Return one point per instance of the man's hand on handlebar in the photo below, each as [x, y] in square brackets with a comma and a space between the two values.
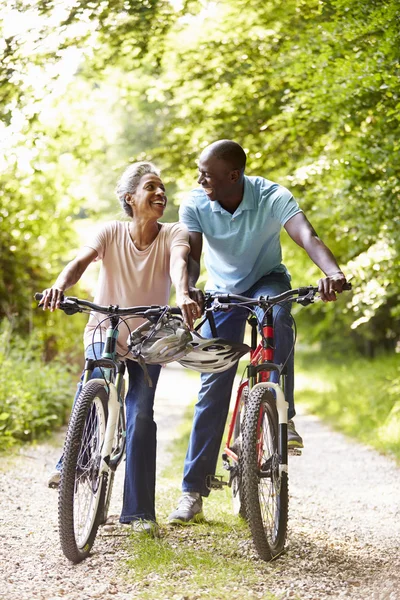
[330, 285]
[51, 298]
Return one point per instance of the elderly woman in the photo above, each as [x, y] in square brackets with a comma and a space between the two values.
[139, 258]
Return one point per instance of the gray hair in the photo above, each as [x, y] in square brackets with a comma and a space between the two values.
[129, 181]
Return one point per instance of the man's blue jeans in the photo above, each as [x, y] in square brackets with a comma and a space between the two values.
[212, 408]
[141, 439]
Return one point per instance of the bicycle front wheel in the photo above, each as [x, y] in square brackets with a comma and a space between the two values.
[82, 488]
[264, 484]
[237, 494]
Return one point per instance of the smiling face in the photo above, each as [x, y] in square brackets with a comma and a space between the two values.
[216, 177]
[149, 198]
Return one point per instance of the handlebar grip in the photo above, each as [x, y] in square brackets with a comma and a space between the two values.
[38, 296]
[347, 287]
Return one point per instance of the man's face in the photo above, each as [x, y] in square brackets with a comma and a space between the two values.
[215, 177]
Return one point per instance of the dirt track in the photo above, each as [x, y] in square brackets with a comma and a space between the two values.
[344, 521]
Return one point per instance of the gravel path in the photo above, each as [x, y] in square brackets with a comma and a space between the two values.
[344, 520]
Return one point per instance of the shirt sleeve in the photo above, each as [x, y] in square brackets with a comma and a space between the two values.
[179, 236]
[188, 216]
[101, 239]
[284, 206]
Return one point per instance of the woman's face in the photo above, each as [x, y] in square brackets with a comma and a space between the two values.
[149, 199]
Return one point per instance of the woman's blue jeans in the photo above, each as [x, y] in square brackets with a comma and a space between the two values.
[141, 439]
[212, 408]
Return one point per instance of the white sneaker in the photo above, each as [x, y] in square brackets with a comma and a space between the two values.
[54, 479]
[189, 510]
[151, 528]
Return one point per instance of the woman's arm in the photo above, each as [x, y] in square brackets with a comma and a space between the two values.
[179, 276]
[70, 275]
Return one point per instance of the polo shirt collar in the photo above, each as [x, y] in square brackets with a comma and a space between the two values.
[248, 201]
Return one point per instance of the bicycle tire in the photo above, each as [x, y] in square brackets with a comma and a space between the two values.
[82, 490]
[236, 486]
[265, 486]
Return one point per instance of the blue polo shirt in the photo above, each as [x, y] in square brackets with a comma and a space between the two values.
[241, 248]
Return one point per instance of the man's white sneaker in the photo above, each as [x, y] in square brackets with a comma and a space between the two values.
[189, 510]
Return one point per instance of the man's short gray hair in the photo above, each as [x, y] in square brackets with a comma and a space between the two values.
[129, 181]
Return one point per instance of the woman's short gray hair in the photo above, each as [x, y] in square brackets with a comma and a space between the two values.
[129, 181]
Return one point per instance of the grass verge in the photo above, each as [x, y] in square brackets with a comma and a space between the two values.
[358, 396]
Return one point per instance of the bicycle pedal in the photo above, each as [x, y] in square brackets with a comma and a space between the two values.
[215, 482]
[294, 452]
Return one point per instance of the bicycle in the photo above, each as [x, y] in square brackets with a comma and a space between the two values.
[256, 451]
[95, 440]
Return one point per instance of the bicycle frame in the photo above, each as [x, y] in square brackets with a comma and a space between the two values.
[258, 370]
[110, 365]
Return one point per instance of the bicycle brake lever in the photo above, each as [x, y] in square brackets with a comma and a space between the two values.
[70, 307]
[218, 306]
[307, 299]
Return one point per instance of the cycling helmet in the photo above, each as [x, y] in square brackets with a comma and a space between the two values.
[212, 355]
[160, 343]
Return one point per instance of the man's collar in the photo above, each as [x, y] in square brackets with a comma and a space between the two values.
[248, 201]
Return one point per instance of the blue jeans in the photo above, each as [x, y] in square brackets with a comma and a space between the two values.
[212, 408]
[141, 441]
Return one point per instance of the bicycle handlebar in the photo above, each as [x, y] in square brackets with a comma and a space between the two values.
[71, 305]
[302, 295]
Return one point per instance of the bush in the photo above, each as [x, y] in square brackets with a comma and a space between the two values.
[35, 397]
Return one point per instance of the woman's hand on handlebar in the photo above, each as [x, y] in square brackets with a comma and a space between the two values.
[198, 296]
[330, 285]
[51, 298]
[190, 309]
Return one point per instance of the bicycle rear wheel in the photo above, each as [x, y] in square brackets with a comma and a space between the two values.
[264, 484]
[237, 494]
[82, 488]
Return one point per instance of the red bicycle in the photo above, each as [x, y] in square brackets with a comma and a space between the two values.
[256, 450]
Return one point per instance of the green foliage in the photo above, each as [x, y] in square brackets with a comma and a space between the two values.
[310, 88]
[360, 397]
[34, 397]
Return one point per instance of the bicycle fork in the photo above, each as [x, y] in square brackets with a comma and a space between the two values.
[112, 422]
[282, 408]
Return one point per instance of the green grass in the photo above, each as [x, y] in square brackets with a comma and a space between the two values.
[212, 560]
[358, 396]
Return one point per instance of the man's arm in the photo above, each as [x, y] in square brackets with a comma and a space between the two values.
[179, 275]
[70, 275]
[196, 246]
[302, 232]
